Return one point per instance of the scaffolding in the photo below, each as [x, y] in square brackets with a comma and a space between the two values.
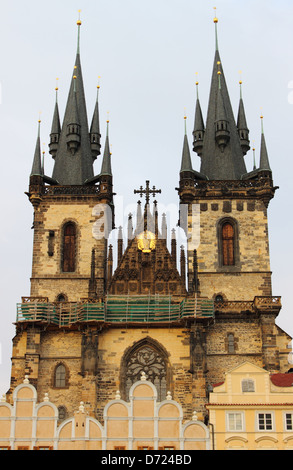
[115, 309]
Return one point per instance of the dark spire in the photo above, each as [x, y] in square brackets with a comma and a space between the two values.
[198, 131]
[106, 163]
[73, 124]
[221, 160]
[222, 131]
[37, 162]
[73, 161]
[264, 159]
[186, 164]
[243, 130]
[95, 135]
[55, 129]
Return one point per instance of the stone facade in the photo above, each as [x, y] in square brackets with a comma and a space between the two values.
[85, 332]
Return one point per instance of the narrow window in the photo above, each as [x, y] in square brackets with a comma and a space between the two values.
[231, 343]
[289, 421]
[228, 241]
[60, 376]
[69, 248]
[61, 413]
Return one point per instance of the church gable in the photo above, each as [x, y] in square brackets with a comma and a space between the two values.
[143, 271]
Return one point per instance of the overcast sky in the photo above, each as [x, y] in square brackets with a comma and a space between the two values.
[147, 55]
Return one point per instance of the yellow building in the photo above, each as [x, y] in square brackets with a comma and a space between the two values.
[252, 410]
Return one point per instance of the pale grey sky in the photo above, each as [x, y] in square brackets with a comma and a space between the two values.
[147, 55]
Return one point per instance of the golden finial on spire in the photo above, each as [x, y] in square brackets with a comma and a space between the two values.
[196, 83]
[215, 18]
[56, 88]
[240, 77]
[78, 21]
[185, 118]
[240, 83]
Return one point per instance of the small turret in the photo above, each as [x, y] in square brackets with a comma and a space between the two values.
[222, 127]
[264, 164]
[199, 128]
[243, 130]
[37, 162]
[55, 129]
[95, 135]
[73, 125]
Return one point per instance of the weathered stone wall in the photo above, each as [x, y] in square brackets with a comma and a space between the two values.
[251, 274]
[48, 280]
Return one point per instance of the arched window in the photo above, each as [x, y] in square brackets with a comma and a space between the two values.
[228, 241]
[60, 376]
[148, 358]
[228, 244]
[69, 248]
[61, 298]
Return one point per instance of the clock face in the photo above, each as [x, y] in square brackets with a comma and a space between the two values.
[146, 241]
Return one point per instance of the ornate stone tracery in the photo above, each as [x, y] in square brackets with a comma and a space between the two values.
[146, 358]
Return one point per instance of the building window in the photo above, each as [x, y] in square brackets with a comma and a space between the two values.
[248, 385]
[234, 421]
[69, 248]
[265, 421]
[148, 357]
[60, 376]
[61, 298]
[289, 421]
[228, 242]
[43, 448]
[62, 413]
[231, 343]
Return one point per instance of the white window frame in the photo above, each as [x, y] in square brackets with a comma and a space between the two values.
[265, 412]
[228, 428]
[285, 421]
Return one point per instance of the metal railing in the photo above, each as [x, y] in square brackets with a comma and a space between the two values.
[115, 309]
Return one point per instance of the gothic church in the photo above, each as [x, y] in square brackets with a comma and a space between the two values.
[86, 331]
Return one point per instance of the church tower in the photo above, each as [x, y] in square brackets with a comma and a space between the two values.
[73, 213]
[182, 318]
[232, 250]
